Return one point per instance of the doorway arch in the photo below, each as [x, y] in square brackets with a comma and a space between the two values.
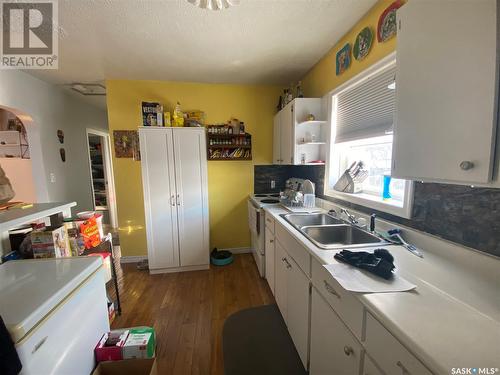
[38, 179]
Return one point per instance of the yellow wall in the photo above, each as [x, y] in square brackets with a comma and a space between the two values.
[321, 78]
[229, 182]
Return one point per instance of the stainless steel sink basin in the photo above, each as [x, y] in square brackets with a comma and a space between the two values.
[302, 220]
[340, 236]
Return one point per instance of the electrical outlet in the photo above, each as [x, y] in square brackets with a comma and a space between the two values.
[52, 177]
[273, 184]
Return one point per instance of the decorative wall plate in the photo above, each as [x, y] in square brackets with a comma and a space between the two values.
[387, 22]
[343, 59]
[363, 44]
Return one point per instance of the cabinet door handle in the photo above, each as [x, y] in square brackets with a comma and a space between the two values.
[268, 220]
[288, 265]
[466, 165]
[172, 200]
[271, 241]
[330, 289]
[39, 344]
[178, 200]
[402, 367]
[348, 350]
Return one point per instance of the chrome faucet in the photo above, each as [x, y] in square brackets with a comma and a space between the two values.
[350, 217]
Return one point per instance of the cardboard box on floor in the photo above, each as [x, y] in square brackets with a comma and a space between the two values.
[145, 366]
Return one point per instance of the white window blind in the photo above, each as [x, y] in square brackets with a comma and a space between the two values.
[366, 110]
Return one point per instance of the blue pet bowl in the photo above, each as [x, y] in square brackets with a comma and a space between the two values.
[221, 258]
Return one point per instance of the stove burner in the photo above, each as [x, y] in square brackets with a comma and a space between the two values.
[274, 195]
[260, 195]
[269, 201]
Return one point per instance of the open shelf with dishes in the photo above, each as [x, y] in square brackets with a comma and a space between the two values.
[223, 144]
[310, 143]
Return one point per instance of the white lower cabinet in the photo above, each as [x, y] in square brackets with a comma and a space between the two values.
[292, 296]
[297, 289]
[392, 357]
[334, 350]
[327, 323]
[270, 257]
[369, 368]
[280, 279]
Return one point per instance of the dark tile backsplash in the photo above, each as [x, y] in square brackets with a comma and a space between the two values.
[465, 215]
[461, 214]
[264, 174]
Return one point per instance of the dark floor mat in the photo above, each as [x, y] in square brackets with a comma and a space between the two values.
[256, 342]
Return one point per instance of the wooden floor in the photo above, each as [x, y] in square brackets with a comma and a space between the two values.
[188, 310]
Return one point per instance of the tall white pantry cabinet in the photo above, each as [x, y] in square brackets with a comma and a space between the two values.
[174, 180]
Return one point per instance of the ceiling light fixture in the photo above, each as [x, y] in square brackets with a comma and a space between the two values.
[214, 4]
[89, 89]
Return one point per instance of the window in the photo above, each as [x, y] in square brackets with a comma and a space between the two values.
[361, 130]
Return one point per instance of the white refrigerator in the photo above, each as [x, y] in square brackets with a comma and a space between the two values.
[55, 311]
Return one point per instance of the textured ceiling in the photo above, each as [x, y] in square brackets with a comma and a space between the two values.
[258, 41]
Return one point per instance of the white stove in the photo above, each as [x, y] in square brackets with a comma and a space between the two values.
[261, 200]
[257, 225]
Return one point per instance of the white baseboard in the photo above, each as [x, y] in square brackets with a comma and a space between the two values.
[238, 250]
[133, 259]
[138, 258]
[179, 269]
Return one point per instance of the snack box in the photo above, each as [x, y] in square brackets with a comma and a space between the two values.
[110, 346]
[140, 343]
[127, 367]
[50, 242]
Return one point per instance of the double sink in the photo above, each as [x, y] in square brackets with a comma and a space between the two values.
[329, 233]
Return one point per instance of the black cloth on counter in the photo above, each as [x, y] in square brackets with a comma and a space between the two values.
[9, 360]
[380, 263]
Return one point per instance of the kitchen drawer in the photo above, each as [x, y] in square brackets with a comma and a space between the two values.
[269, 222]
[392, 357]
[343, 302]
[296, 250]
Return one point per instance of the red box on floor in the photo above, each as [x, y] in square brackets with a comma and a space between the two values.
[110, 346]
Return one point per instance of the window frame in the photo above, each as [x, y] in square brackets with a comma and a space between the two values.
[364, 200]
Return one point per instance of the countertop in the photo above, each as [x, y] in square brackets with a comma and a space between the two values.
[438, 328]
[15, 217]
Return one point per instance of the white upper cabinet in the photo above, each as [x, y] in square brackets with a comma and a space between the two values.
[446, 81]
[286, 131]
[276, 140]
[295, 138]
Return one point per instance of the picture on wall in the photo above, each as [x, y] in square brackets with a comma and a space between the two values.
[387, 27]
[62, 152]
[60, 136]
[363, 44]
[125, 142]
[343, 59]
